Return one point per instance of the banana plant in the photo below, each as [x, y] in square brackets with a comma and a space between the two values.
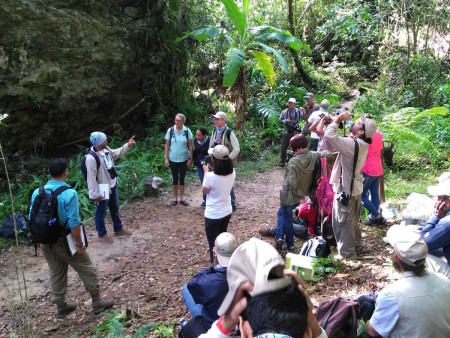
[247, 43]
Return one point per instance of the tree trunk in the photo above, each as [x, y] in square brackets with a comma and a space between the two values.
[298, 63]
[240, 100]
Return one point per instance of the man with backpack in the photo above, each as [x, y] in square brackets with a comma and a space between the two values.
[290, 117]
[416, 305]
[224, 135]
[100, 170]
[63, 217]
[347, 180]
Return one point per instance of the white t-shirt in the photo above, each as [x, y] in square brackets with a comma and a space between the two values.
[218, 200]
[313, 118]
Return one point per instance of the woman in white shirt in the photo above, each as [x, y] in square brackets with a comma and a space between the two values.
[217, 185]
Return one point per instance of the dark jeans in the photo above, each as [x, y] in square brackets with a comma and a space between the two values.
[100, 213]
[313, 143]
[367, 305]
[178, 170]
[285, 138]
[372, 186]
[213, 228]
[285, 225]
[201, 174]
[233, 199]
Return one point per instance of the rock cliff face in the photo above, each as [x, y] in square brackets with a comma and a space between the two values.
[73, 66]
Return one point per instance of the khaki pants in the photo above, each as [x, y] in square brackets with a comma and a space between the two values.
[58, 261]
[345, 221]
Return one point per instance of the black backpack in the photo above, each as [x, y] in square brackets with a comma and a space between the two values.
[83, 161]
[44, 222]
[172, 131]
[316, 247]
[7, 226]
[339, 317]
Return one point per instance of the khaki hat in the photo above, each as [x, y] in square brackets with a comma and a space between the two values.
[225, 245]
[443, 187]
[219, 151]
[309, 95]
[408, 245]
[370, 127]
[259, 263]
[292, 99]
[221, 115]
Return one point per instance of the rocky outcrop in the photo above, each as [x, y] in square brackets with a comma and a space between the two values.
[70, 67]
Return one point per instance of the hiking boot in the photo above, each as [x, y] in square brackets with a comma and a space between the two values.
[106, 239]
[124, 232]
[266, 231]
[291, 249]
[279, 243]
[101, 305]
[374, 221]
[184, 202]
[65, 309]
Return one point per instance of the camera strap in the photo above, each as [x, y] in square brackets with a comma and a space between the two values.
[355, 159]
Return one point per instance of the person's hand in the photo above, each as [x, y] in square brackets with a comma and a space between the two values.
[206, 168]
[302, 109]
[345, 116]
[288, 121]
[131, 142]
[81, 250]
[441, 207]
[166, 162]
[189, 162]
[99, 198]
[239, 304]
[311, 320]
[326, 118]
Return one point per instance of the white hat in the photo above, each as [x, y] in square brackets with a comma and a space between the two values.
[219, 151]
[370, 127]
[443, 187]
[225, 245]
[259, 263]
[292, 99]
[221, 115]
[408, 245]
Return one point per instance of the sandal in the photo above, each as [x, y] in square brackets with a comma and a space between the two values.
[184, 202]
[173, 203]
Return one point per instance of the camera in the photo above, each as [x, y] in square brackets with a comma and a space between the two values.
[321, 115]
[207, 160]
[112, 172]
[344, 198]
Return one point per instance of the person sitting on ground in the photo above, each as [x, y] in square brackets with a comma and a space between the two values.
[206, 290]
[372, 171]
[201, 146]
[217, 185]
[317, 115]
[436, 232]
[416, 305]
[263, 298]
[56, 255]
[296, 183]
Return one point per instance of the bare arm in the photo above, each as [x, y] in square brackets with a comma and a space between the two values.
[205, 190]
[370, 330]
[191, 154]
[166, 153]
[76, 233]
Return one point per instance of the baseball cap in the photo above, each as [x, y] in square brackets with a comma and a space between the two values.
[370, 127]
[221, 115]
[309, 95]
[225, 245]
[408, 245]
[292, 99]
[97, 138]
[219, 151]
[443, 187]
[259, 263]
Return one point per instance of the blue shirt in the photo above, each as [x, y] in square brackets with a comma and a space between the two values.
[68, 210]
[179, 147]
[385, 315]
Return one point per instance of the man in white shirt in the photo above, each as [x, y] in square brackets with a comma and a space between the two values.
[315, 116]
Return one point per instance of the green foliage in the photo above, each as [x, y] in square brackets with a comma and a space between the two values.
[324, 266]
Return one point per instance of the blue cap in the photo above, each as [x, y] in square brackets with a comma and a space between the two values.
[97, 138]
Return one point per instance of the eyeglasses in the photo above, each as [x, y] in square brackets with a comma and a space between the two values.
[178, 120]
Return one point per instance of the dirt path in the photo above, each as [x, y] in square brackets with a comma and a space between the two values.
[145, 272]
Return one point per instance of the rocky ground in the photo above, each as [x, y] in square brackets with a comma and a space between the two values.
[145, 272]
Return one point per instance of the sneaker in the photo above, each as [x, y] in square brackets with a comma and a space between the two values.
[173, 203]
[65, 309]
[291, 249]
[233, 208]
[184, 202]
[203, 205]
[124, 232]
[106, 239]
[279, 243]
[183, 322]
[102, 305]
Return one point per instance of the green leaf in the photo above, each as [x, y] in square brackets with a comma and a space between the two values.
[264, 63]
[235, 59]
[202, 34]
[236, 16]
[246, 7]
[275, 52]
[284, 37]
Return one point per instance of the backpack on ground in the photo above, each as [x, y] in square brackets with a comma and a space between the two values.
[88, 151]
[44, 222]
[316, 247]
[7, 226]
[327, 231]
[339, 317]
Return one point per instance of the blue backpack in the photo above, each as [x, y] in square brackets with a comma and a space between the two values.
[83, 168]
